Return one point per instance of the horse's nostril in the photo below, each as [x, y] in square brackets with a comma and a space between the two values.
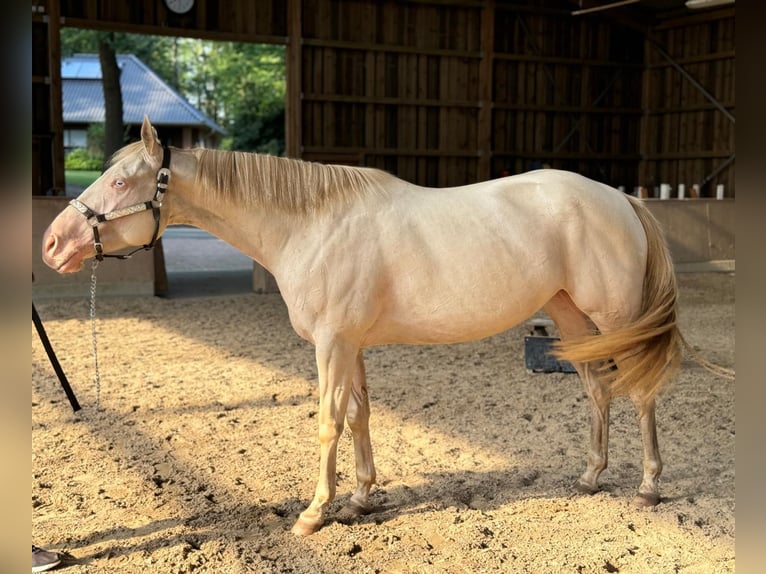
[50, 244]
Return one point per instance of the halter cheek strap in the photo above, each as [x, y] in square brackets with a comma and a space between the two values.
[163, 178]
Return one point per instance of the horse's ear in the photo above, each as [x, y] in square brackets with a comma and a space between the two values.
[150, 140]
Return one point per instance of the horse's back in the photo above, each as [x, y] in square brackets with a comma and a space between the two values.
[467, 262]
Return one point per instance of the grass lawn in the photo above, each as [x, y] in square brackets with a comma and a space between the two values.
[81, 177]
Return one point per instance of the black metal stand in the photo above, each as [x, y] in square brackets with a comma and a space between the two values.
[54, 360]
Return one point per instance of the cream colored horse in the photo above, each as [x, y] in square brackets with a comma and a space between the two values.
[363, 258]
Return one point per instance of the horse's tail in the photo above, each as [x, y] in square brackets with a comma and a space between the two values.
[646, 354]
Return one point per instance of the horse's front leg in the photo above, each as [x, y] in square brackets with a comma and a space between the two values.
[358, 417]
[335, 365]
[649, 491]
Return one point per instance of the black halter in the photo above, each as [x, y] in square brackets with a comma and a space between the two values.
[163, 177]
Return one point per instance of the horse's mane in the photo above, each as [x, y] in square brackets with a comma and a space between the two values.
[288, 185]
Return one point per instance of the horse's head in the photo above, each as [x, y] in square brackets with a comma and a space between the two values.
[120, 209]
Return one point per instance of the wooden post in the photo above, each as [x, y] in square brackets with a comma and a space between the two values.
[646, 118]
[484, 129]
[56, 106]
[293, 115]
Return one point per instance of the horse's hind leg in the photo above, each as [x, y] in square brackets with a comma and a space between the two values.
[648, 492]
[358, 418]
[573, 323]
[598, 451]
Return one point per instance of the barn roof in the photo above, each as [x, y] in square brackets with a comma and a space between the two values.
[143, 93]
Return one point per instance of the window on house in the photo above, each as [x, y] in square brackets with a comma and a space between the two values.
[75, 139]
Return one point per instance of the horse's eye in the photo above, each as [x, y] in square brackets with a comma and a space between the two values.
[119, 183]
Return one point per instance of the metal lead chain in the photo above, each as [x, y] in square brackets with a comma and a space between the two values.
[97, 376]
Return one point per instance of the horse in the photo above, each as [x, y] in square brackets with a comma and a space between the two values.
[363, 258]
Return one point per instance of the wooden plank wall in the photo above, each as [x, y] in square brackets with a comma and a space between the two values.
[47, 142]
[687, 138]
[393, 85]
[567, 94]
[415, 88]
[447, 92]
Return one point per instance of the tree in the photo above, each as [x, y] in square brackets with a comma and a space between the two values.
[110, 79]
[242, 87]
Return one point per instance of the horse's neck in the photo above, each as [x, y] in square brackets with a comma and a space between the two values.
[255, 233]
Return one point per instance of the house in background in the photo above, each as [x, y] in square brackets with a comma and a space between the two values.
[143, 93]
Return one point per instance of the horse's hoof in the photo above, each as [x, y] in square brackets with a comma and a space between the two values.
[646, 500]
[583, 488]
[354, 508]
[352, 511]
[304, 527]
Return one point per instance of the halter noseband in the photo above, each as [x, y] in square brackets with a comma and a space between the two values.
[163, 177]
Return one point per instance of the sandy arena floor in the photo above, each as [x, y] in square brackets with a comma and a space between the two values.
[205, 450]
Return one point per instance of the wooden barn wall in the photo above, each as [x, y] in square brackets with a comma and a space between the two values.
[234, 20]
[445, 92]
[47, 138]
[688, 133]
[567, 93]
[451, 93]
[394, 86]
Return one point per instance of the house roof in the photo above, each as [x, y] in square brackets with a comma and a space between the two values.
[143, 93]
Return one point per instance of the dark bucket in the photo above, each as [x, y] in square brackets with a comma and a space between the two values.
[538, 357]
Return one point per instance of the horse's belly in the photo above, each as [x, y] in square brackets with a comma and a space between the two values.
[430, 331]
[451, 317]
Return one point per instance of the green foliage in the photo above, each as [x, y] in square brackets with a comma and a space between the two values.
[81, 159]
[260, 133]
[240, 86]
[81, 178]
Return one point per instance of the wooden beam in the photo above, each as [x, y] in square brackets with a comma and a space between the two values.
[603, 7]
[56, 106]
[538, 58]
[699, 59]
[567, 155]
[294, 103]
[390, 101]
[644, 143]
[171, 31]
[563, 109]
[486, 65]
[687, 155]
[393, 152]
[698, 18]
[690, 108]
[391, 48]
[681, 70]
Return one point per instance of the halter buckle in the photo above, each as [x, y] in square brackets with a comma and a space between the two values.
[99, 250]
